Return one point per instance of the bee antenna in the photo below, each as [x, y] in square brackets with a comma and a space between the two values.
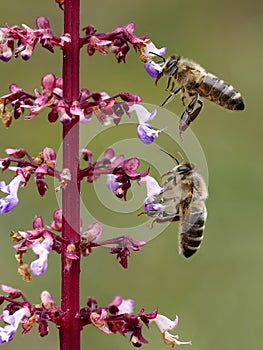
[156, 54]
[169, 154]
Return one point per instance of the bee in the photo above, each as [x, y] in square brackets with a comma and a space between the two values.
[193, 81]
[183, 200]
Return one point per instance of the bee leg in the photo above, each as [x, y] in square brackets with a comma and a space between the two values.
[158, 78]
[170, 181]
[171, 96]
[183, 99]
[195, 113]
[176, 218]
[169, 83]
[170, 172]
[142, 213]
[190, 113]
[166, 217]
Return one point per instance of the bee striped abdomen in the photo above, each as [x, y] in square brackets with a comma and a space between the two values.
[220, 92]
[191, 229]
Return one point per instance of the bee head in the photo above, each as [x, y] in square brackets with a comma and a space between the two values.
[185, 168]
[170, 66]
[181, 168]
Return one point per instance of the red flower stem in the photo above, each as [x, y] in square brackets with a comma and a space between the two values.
[70, 328]
[14, 302]
[90, 172]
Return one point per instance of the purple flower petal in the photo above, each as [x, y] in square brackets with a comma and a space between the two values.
[39, 266]
[13, 186]
[7, 333]
[8, 203]
[6, 53]
[146, 134]
[111, 183]
[65, 118]
[152, 207]
[152, 68]
[27, 53]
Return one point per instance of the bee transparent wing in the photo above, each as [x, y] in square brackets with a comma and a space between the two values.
[199, 187]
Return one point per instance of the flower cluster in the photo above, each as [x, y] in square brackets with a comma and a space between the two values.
[104, 107]
[120, 171]
[42, 241]
[15, 41]
[99, 104]
[117, 41]
[117, 317]
[123, 245]
[24, 313]
[26, 166]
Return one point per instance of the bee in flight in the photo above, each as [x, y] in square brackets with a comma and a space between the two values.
[183, 200]
[193, 81]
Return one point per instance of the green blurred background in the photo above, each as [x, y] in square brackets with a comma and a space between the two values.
[218, 293]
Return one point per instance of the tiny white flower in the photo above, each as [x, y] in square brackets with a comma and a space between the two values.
[7, 333]
[151, 50]
[126, 307]
[142, 113]
[152, 186]
[165, 325]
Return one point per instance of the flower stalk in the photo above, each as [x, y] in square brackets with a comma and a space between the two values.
[70, 328]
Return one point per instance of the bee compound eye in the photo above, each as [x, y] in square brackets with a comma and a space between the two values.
[184, 169]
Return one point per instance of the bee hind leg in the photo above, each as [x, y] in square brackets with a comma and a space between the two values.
[190, 113]
[195, 113]
[183, 99]
[169, 83]
[166, 217]
[171, 96]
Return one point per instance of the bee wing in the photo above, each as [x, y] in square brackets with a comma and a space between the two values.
[199, 187]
